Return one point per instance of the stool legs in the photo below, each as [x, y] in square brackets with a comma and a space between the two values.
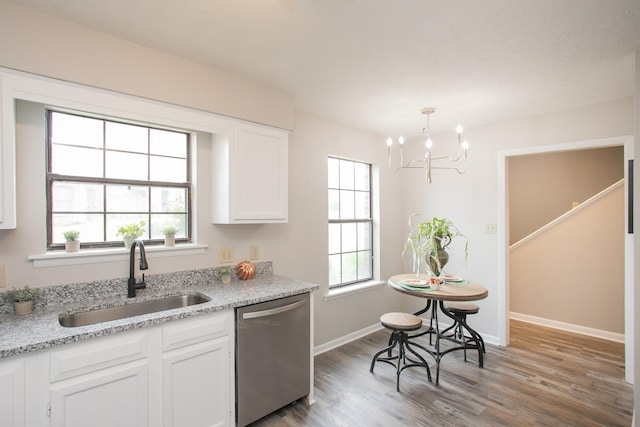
[401, 340]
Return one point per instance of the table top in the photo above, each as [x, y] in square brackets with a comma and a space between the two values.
[470, 291]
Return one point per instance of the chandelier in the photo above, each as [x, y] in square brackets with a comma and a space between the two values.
[457, 163]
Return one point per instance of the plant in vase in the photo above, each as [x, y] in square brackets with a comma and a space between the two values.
[225, 274]
[170, 232]
[22, 299]
[130, 232]
[428, 240]
[72, 244]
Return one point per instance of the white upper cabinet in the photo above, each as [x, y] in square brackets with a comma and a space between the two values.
[250, 175]
[7, 158]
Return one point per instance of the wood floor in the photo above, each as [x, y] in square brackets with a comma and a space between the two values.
[544, 378]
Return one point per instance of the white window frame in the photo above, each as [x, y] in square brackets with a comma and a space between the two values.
[50, 92]
[369, 220]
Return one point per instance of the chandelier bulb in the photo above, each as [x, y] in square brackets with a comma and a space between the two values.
[429, 143]
[465, 145]
[459, 129]
[389, 142]
[401, 140]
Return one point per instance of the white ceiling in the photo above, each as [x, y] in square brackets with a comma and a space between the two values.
[374, 64]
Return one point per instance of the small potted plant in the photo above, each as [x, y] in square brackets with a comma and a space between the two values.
[72, 244]
[170, 232]
[22, 299]
[130, 232]
[428, 241]
[225, 274]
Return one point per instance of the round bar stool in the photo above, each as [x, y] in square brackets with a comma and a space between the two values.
[400, 324]
[461, 309]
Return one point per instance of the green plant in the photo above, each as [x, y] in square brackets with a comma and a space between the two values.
[427, 239]
[224, 270]
[71, 235]
[132, 231]
[170, 230]
[22, 294]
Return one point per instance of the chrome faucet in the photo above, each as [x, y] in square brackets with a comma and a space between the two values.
[133, 285]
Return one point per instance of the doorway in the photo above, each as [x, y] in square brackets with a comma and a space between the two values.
[503, 237]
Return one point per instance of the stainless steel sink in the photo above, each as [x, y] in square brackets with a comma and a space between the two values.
[92, 317]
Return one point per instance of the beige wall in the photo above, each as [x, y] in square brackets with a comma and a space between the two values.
[573, 272]
[543, 186]
[42, 44]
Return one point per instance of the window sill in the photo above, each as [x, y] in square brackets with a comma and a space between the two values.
[344, 291]
[93, 256]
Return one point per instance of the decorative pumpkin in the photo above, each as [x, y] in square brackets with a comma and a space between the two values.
[246, 270]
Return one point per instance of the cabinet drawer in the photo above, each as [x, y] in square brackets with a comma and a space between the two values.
[192, 331]
[97, 354]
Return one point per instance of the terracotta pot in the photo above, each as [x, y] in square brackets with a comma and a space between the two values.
[169, 240]
[72, 246]
[226, 279]
[23, 308]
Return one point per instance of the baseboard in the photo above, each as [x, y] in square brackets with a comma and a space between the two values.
[569, 327]
[330, 345]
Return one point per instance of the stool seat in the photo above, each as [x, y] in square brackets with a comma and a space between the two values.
[400, 347]
[401, 321]
[462, 307]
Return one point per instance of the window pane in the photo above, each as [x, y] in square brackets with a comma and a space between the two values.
[362, 176]
[349, 267]
[127, 198]
[126, 166]
[167, 199]
[76, 161]
[75, 130]
[115, 221]
[362, 208]
[346, 175]
[364, 236]
[335, 276]
[168, 169]
[90, 226]
[334, 173]
[334, 238]
[347, 205]
[334, 204]
[124, 137]
[364, 265]
[348, 237]
[159, 221]
[77, 197]
[168, 143]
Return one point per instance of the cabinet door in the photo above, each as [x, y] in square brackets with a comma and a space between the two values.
[260, 174]
[196, 389]
[116, 396]
[7, 157]
[12, 393]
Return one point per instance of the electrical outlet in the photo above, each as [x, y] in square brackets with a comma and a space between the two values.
[254, 253]
[225, 255]
[3, 276]
[490, 228]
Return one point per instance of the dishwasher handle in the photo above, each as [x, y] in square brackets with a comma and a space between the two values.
[272, 311]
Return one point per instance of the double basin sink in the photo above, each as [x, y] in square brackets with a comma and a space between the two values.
[92, 317]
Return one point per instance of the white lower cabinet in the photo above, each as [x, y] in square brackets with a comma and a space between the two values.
[12, 397]
[196, 388]
[111, 397]
[177, 374]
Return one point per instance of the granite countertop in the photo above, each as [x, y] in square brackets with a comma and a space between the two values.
[41, 329]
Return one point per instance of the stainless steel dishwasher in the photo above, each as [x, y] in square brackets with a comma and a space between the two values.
[272, 356]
